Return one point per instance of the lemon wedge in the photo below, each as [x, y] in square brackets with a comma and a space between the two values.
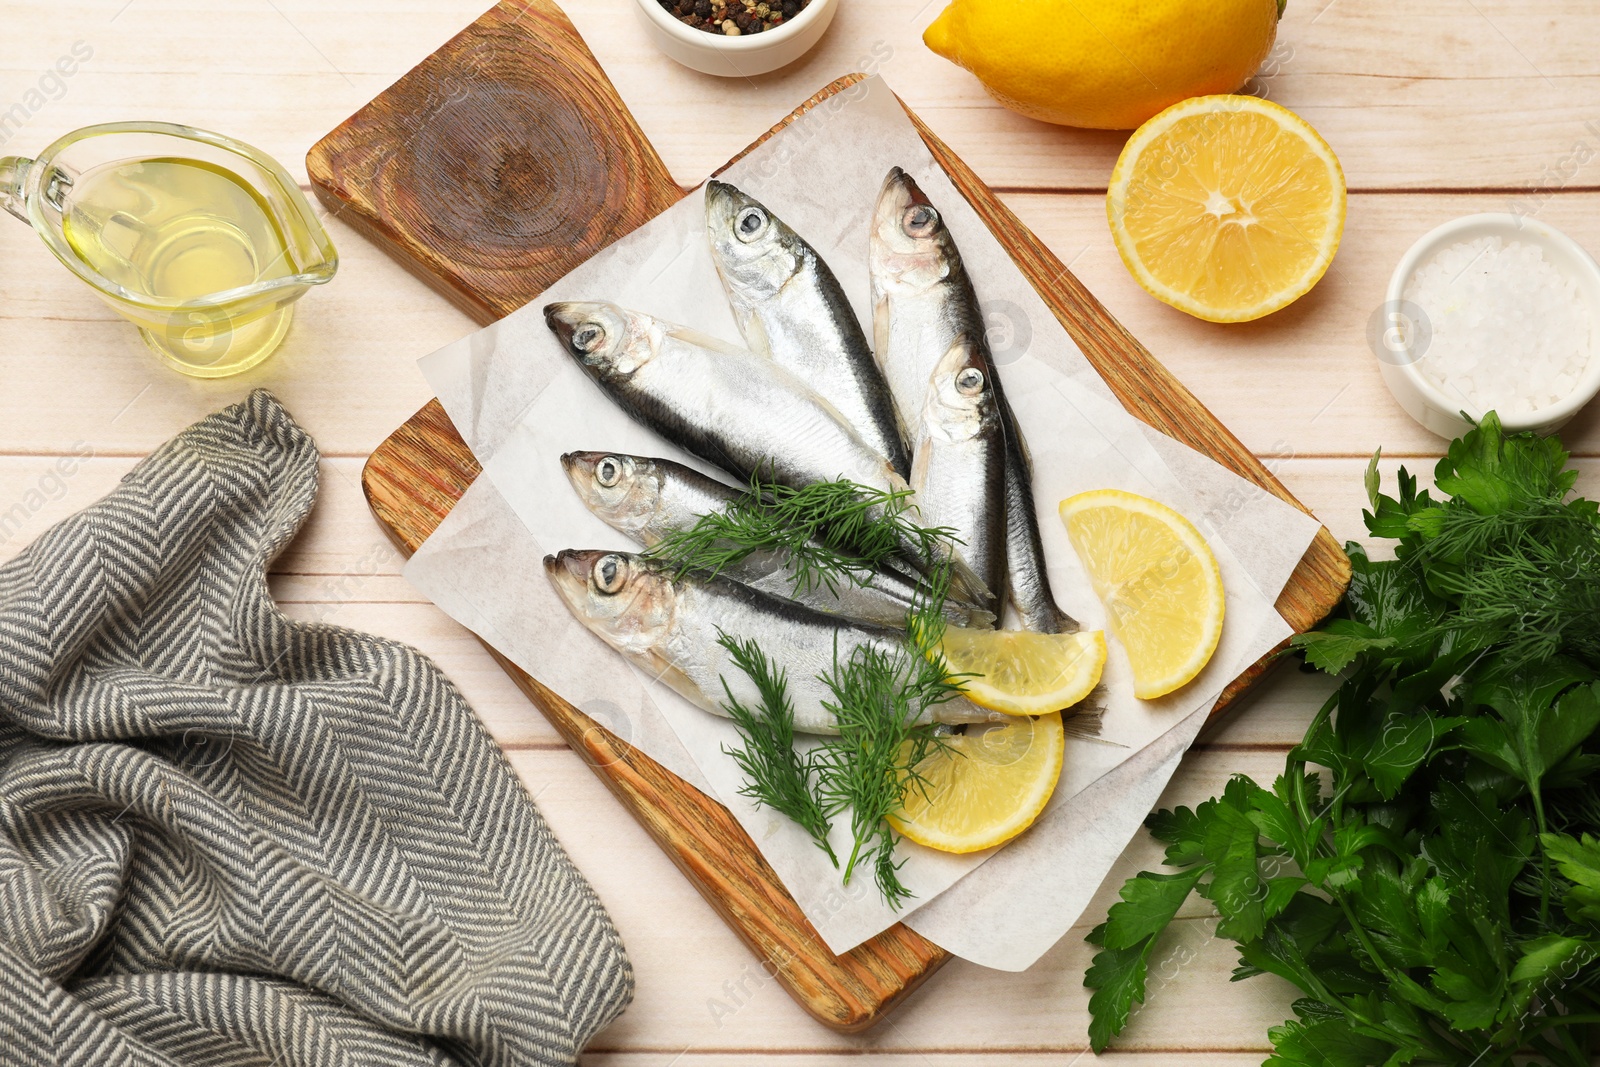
[985, 786]
[1227, 207]
[1023, 673]
[1157, 579]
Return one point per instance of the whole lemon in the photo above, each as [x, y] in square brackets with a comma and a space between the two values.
[1104, 64]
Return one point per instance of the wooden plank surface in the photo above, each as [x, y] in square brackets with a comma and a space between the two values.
[1428, 99]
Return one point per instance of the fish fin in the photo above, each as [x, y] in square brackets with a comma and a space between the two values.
[880, 330]
[972, 617]
[919, 468]
[690, 335]
[1084, 723]
[1044, 618]
[754, 331]
[965, 585]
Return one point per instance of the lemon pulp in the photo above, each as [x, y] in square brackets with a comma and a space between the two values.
[1227, 207]
[985, 786]
[1158, 580]
[1023, 673]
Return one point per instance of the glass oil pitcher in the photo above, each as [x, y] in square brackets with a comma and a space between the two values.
[200, 241]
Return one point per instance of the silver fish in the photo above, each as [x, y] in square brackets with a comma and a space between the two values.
[923, 301]
[789, 306]
[650, 499]
[670, 628]
[737, 411]
[959, 472]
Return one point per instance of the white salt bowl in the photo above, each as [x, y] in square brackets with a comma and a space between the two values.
[1423, 400]
[737, 57]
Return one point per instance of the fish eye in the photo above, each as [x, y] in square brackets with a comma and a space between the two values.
[608, 472]
[750, 223]
[969, 381]
[588, 337]
[611, 574]
[920, 220]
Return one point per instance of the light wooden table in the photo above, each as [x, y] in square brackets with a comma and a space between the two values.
[1437, 108]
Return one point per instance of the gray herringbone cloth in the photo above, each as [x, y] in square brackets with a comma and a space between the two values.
[229, 839]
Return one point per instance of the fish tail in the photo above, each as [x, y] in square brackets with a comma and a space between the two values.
[966, 586]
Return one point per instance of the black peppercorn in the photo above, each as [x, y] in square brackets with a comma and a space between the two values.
[733, 17]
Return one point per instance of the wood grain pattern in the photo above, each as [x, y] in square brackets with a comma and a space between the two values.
[413, 479]
[497, 163]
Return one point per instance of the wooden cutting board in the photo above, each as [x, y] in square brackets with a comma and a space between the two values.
[499, 164]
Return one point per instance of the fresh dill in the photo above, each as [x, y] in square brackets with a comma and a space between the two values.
[878, 706]
[776, 775]
[826, 532]
[832, 532]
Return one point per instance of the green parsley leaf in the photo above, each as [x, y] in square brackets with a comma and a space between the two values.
[1117, 977]
[1491, 473]
[1325, 1043]
[1117, 974]
[1149, 901]
[1336, 645]
[1578, 860]
[1550, 955]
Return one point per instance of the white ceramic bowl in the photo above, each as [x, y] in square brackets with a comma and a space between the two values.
[1426, 402]
[737, 57]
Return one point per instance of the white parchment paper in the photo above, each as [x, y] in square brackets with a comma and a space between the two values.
[519, 401]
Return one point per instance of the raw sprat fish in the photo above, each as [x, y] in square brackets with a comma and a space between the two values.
[740, 412]
[671, 626]
[725, 605]
[789, 306]
[959, 472]
[923, 302]
[651, 499]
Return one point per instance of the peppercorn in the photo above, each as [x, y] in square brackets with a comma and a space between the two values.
[734, 17]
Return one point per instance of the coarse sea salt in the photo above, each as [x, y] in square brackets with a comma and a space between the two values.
[1511, 332]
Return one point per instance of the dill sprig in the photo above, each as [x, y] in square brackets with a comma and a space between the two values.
[879, 701]
[826, 532]
[776, 776]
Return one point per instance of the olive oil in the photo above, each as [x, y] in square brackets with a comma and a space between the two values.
[201, 241]
[174, 229]
[180, 231]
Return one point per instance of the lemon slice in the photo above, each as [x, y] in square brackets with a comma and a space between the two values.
[1227, 207]
[1022, 673]
[1158, 580]
[985, 787]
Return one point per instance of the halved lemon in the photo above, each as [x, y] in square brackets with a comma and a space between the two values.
[985, 787]
[1023, 673]
[1158, 580]
[1227, 207]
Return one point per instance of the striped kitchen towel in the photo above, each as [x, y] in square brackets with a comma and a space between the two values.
[231, 839]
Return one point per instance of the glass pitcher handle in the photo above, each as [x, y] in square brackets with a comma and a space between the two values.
[13, 173]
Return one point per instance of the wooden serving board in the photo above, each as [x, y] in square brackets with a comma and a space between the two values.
[493, 168]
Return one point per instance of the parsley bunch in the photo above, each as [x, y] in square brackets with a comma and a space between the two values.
[1426, 871]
